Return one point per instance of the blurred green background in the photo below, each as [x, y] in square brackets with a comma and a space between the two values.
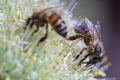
[108, 13]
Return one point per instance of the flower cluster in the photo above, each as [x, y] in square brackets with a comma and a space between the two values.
[22, 59]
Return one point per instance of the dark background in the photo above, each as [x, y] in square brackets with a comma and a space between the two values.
[108, 13]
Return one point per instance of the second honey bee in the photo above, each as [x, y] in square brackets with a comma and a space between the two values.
[92, 38]
[41, 18]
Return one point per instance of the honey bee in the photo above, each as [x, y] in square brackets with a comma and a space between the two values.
[41, 18]
[92, 38]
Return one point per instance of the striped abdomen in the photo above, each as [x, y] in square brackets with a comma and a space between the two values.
[58, 24]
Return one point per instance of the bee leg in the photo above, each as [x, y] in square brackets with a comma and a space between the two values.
[84, 59]
[27, 22]
[74, 37]
[24, 28]
[36, 30]
[79, 54]
[45, 36]
[90, 66]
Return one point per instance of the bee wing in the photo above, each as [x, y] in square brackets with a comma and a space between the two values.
[98, 30]
[89, 24]
[95, 30]
[52, 8]
[90, 27]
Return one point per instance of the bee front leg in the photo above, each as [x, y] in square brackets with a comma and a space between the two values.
[37, 28]
[79, 54]
[84, 59]
[90, 65]
[45, 36]
[27, 23]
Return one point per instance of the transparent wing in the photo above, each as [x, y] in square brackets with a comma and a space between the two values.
[97, 31]
[94, 30]
[90, 27]
[89, 24]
